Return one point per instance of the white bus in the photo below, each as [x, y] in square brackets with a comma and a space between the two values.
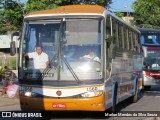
[150, 42]
[66, 34]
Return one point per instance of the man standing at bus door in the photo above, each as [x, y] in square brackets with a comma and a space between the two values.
[7, 79]
[40, 59]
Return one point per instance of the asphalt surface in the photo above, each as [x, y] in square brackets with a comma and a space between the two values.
[149, 102]
[147, 105]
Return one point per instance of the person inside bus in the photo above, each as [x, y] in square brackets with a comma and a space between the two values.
[91, 56]
[40, 59]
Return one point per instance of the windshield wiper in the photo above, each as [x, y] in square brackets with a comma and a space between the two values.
[71, 70]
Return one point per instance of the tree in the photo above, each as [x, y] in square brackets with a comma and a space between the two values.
[11, 11]
[120, 14]
[147, 13]
[1, 18]
[11, 15]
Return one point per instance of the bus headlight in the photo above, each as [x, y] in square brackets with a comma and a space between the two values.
[91, 94]
[28, 94]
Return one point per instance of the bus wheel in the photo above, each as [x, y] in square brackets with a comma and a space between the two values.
[147, 87]
[114, 96]
[135, 97]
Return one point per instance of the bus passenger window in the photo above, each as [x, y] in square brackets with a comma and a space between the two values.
[120, 35]
[125, 38]
[108, 26]
[114, 31]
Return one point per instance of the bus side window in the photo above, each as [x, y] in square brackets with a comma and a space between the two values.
[114, 31]
[122, 31]
[125, 38]
[108, 26]
[138, 43]
[120, 35]
[158, 39]
[117, 33]
[108, 42]
[131, 40]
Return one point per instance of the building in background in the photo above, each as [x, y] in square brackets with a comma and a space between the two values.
[123, 6]
[5, 58]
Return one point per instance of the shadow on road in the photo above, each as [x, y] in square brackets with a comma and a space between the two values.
[154, 91]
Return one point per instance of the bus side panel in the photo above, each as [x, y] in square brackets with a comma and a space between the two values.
[124, 72]
[108, 94]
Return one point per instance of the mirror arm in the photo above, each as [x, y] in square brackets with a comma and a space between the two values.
[14, 34]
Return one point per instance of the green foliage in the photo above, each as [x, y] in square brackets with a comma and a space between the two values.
[34, 5]
[147, 13]
[120, 14]
[11, 15]
[12, 63]
[104, 3]
[11, 11]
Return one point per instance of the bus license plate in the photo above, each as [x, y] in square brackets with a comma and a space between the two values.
[59, 105]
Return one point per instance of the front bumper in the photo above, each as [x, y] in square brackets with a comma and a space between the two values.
[83, 104]
[148, 81]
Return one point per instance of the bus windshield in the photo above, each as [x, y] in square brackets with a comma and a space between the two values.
[150, 39]
[73, 47]
[152, 59]
[153, 53]
[152, 63]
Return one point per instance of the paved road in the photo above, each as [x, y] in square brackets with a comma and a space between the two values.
[148, 101]
[7, 104]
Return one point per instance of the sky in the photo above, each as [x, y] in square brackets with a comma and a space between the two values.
[122, 5]
[23, 1]
[117, 5]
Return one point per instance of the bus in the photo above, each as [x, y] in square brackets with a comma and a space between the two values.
[150, 42]
[66, 34]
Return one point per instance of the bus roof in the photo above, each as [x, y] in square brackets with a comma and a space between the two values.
[149, 31]
[70, 9]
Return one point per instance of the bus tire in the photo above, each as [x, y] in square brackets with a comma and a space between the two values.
[114, 97]
[135, 97]
[147, 88]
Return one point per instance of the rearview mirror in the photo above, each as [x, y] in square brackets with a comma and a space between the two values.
[12, 48]
[12, 44]
[14, 34]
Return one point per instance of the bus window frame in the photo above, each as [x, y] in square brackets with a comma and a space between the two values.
[122, 28]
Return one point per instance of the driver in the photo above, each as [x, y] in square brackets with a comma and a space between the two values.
[90, 56]
[40, 59]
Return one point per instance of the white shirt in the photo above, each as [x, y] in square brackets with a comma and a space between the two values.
[39, 60]
[94, 58]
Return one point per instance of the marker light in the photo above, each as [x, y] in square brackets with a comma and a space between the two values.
[91, 94]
